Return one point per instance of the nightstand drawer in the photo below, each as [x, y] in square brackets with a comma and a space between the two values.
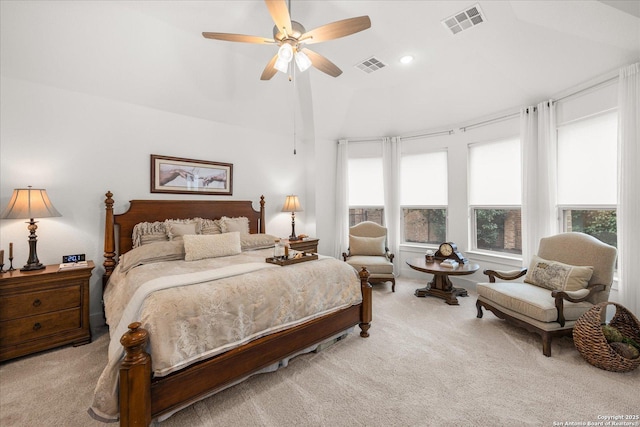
[25, 329]
[34, 303]
[310, 245]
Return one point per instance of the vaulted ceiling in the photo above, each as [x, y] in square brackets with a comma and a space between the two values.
[152, 53]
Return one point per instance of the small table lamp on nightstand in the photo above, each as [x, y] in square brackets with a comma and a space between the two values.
[30, 203]
[292, 204]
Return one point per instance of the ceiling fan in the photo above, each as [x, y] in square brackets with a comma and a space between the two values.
[291, 37]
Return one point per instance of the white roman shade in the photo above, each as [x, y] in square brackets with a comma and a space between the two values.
[495, 173]
[424, 179]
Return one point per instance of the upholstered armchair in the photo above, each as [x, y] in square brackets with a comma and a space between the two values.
[570, 274]
[368, 248]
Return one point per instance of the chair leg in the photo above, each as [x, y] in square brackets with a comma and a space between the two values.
[479, 307]
[546, 344]
[393, 285]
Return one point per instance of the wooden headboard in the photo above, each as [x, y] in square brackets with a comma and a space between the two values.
[159, 210]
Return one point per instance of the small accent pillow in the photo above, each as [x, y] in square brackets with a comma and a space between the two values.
[366, 245]
[557, 276]
[152, 253]
[240, 224]
[211, 226]
[148, 232]
[201, 246]
[250, 242]
[177, 229]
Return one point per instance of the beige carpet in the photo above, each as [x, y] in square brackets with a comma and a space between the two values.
[425, 364]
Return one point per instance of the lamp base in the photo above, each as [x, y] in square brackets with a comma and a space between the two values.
[32, 267]
[33, 263]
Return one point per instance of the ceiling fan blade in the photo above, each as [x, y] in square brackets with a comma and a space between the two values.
[269, 70]
[322, 63]
[238, 38]
[336, 30]
[280, 14]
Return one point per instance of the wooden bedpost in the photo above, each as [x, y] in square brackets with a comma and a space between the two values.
[366, 308]
[135, 378]
[262, 224]
[109, 240]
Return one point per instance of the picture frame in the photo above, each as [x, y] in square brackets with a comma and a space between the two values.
[189, 176]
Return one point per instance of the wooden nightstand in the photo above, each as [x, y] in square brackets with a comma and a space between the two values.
[43, 309]
[308, 245]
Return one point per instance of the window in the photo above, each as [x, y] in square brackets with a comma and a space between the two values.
[587, 176]
[423, 197]
[495, 195]
[366, 191]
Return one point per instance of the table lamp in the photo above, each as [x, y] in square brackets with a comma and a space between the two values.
[292, 204]
[30, 203]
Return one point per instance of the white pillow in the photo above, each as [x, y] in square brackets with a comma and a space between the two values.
[366, 245]
[228, 225]
[176, 228]
[152, 253]
[201, 246]
[257, 241]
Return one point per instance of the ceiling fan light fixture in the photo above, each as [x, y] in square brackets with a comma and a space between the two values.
[285, 52]
[302, 61]
[281, 65]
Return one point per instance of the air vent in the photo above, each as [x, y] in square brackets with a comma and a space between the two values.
[370, 65]
[465, 19]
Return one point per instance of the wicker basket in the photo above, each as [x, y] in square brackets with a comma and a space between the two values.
[591, 343]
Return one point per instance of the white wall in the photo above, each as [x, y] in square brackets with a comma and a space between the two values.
[78, 146]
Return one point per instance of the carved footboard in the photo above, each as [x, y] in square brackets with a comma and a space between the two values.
[143, 398]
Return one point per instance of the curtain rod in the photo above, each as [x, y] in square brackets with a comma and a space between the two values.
[584, 89]
[414, 136]
[486, 122]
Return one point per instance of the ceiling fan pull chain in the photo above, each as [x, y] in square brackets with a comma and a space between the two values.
[291, 78]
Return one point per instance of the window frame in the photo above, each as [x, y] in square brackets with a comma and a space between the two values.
[590, 207]
[473, 227]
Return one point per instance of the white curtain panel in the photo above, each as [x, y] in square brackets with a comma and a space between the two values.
[629, 187]
[342, 199]
[391, 157]
[539, 148]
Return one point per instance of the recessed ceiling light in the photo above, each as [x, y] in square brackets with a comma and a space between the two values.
[406, 59]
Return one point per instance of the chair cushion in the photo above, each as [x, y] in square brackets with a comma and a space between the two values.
[374, 264]
[530, 300]
[366, 245]
[556, 275]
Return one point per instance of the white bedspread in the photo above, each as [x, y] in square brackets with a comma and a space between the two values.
[195, 310]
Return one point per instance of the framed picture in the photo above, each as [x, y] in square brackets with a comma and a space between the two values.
[188, 176]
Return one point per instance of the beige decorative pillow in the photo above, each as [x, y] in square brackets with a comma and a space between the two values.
[366, 245]
[250, 242]
[201, 246]
[176, 228]
[148, 232]
[152, 253]
[240, 224]
[557, 276]
[210, 226]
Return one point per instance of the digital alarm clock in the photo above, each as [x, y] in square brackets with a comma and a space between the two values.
[73, 258]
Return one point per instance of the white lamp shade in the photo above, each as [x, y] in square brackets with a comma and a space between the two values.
[292, 204]
[281, 65]
[302, 61]
[28, 203]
